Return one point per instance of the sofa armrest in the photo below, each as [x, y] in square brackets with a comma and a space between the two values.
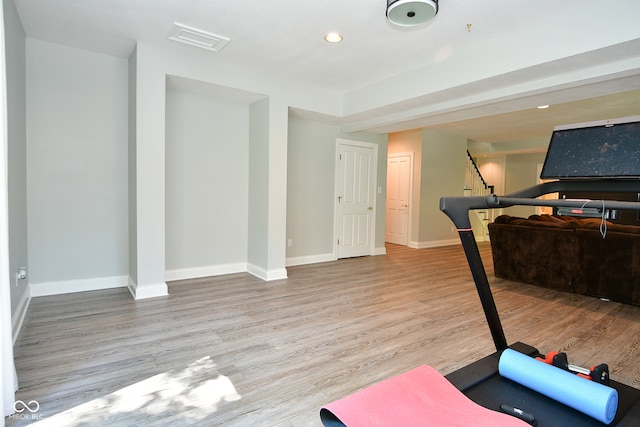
[608, 267]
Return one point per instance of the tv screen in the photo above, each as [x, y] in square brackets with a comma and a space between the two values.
[605, 149]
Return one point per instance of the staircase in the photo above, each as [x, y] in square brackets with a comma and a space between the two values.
[475, 185]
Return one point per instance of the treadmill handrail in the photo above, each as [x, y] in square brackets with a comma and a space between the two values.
[457, 208]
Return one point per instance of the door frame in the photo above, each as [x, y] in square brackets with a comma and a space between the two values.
[410, 154]
[374, 179]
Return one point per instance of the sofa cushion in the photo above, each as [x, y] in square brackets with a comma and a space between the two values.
[541, 256]
[596, 224]
[546, 221]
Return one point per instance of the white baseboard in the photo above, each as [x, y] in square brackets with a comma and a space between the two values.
[197, 272]
[310, 259]
[267, 275]
[78, 285]
[380, 251]
[314, 259]
[147, 291]
[19, 315]
[219, 270]
[437, 243]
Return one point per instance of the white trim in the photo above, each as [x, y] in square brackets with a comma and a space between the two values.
[20, 314]
[219, 270]
[77, 285]
[437, 243]
[147, 291]
[380, 251]
[310, 259]
[267, 275]
[277, 274]
[208, 271]
[131, 285]
[259, 272]
[315, 259]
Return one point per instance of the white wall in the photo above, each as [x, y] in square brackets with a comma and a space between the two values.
[439, 168]
[207, 173]
[443, 166]
[147, 177]
[258, 237]
[521, 172]
[77, 168]
[12, 186]
[131, 167]
[311, 189]
[411, 142]
[97, 169]
[17, 157]
[277, 189]
[86, 159]
[267, 147]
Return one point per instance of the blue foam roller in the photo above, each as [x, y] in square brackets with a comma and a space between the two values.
[591, 398]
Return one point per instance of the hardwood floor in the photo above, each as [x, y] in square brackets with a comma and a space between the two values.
[236, 351]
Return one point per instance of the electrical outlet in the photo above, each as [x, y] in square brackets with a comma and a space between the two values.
[290, 242]
[21, 274]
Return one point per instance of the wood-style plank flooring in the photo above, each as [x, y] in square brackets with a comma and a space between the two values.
[236, 351]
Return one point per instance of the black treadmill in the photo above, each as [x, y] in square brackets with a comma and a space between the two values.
[601, 157]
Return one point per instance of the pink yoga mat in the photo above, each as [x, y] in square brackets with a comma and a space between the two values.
[420, 397]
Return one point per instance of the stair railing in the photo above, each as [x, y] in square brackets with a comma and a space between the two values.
[475, 185]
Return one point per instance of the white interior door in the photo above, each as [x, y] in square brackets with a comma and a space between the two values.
[399, 177]
[355, 193]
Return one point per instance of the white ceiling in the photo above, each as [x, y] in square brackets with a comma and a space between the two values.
[284, 39]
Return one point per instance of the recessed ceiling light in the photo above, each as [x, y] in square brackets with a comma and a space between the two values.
[542, 107]
[333, 37]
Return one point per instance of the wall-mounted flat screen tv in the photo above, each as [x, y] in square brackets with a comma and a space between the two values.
[595, 150]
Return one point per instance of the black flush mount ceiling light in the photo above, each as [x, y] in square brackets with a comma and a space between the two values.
[408, 13]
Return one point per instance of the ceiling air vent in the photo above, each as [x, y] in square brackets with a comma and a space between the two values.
[198, 38]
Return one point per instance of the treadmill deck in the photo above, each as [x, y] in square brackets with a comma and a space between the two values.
[481, 382]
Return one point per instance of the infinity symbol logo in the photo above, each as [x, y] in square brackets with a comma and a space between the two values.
[32, 406]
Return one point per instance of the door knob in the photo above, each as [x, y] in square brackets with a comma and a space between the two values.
[370, 208]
